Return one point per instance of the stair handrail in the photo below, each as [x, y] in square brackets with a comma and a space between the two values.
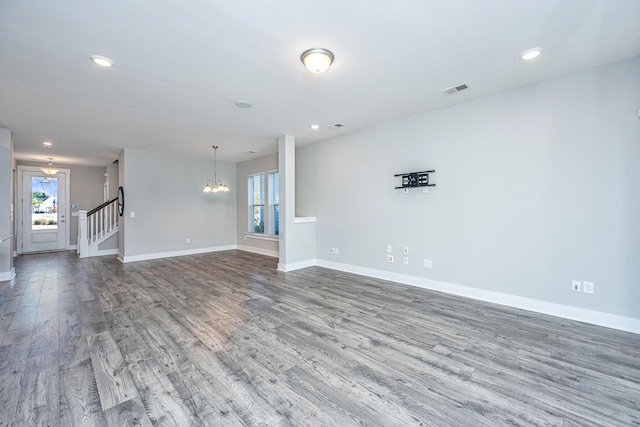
[105, 204]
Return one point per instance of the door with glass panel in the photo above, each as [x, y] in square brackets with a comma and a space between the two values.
[44, 211]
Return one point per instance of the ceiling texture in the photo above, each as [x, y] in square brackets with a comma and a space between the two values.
[181, 65]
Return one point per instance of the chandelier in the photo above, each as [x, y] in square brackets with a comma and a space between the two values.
[50, 170]
[215, 185]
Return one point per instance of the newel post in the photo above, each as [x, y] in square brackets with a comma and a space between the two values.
[83, 240]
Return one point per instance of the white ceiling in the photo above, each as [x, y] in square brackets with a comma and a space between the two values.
[180, 65]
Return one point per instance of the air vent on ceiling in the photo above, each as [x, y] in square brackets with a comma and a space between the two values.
[455, 89]
[336, 126]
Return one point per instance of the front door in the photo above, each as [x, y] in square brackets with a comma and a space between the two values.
[44, 210]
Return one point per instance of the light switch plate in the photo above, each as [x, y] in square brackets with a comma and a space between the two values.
[588, 287]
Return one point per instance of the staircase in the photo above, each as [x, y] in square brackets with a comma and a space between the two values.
[97, 226]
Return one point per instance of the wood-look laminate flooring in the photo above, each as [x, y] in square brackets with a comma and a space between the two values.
[223, 339]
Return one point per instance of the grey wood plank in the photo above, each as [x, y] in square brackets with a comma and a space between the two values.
[13, 361]
[38, 401]
[21, 328]
[112, 377]
[79, 399]
[201, 399]
[45, 335]
[160, 399]
[128, 414]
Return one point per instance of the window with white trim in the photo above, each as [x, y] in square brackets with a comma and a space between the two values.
[264, 203]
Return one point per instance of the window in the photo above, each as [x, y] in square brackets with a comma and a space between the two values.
[261, 220]
[274, 202]
[44, 194]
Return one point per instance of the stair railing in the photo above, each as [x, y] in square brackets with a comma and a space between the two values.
[96, 223]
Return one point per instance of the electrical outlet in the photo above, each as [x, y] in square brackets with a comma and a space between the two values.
[335, 251]
[188, 241]
[588, 287]
[388, 249]
[427, 263]
[576, 286]
[390, 258]
[405, 260]
[405, 250]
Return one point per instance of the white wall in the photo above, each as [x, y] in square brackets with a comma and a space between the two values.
[165, 192]
[6, 201]
[244, 169]
[111, 171]
[536, 187]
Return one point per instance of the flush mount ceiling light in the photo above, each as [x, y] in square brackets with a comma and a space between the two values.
[530, 54]
[50, 170]
[46, 145]
[103, 61]
[214, 185]
[317, 60]
[315, 127]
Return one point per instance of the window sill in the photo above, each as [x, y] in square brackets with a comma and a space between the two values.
[303, 219]
[269, 237]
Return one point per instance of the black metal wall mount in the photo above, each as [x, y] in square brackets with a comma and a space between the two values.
[415, 179]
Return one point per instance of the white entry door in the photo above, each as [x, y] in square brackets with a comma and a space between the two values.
[44, 210]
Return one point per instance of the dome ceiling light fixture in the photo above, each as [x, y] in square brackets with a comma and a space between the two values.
[317, 60]
[103, 61]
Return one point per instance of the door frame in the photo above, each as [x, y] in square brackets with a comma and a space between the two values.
[20, 198]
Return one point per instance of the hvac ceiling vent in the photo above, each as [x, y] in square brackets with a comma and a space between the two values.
[336, 126]
[455, 89]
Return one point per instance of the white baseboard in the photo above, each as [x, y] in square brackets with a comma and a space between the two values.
[297, 265]
[158, 255]
[622, 323]
[107, 252]
[8, 275]
[73, 247]
[260, 251]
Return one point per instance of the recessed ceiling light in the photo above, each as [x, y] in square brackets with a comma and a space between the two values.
[315, 127]
[243, 104]
[47, 145]
[103, 61]
[530, 54]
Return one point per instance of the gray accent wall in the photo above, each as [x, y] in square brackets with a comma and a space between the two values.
[165, 192]
[536, 187]
[244, 169]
